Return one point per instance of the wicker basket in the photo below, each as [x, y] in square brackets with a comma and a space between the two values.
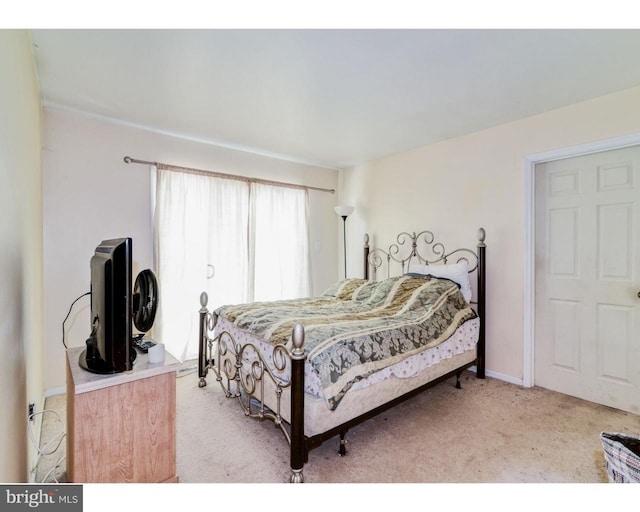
[621, 457]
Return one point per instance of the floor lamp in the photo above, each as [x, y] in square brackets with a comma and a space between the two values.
[344, 212]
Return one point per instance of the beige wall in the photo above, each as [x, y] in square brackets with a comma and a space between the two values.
[456, 186]
[90, 194]
[21, 343]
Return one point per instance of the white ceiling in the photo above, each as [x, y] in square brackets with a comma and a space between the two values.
[333, 98]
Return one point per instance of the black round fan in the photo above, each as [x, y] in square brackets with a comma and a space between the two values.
[145, 300]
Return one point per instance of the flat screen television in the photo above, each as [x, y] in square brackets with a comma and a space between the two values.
[110, 346]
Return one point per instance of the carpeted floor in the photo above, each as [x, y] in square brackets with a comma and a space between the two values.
[489, 431]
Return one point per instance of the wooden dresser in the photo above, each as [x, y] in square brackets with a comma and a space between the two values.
[122, 427]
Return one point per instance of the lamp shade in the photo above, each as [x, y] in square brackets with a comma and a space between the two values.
[344, 211]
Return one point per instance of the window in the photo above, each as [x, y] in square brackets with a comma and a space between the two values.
[237, 240]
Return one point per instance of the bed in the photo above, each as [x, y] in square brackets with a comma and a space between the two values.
[318, 366]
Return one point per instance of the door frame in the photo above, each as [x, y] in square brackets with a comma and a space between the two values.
[530, 162]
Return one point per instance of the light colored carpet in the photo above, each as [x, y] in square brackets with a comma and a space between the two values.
[489, 431]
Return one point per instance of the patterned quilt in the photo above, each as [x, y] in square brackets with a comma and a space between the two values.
[358, 327]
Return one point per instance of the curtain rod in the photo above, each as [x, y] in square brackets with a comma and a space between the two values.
[129, 160]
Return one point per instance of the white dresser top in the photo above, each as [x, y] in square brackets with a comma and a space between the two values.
[85, 381]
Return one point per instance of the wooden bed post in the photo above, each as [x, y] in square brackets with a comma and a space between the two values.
[480, 367]
[297, 405]
[366, 256]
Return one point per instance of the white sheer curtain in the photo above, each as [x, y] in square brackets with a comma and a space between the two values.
[237, 241]
[201, 227]
[281, 260]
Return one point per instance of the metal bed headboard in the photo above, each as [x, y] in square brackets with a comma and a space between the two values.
[420, 248]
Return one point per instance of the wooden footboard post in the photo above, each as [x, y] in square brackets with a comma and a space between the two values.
[297, 405]
[202, 343]
[480, 367]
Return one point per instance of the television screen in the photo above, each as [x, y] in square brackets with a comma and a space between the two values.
[109, 346]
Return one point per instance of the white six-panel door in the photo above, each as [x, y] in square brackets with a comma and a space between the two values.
[587, 277]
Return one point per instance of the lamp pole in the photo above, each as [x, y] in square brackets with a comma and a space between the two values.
[344, 232]
[344, 212]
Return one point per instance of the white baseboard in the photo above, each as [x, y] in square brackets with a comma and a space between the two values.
[54, 391]
[500, 376]
[506, 378]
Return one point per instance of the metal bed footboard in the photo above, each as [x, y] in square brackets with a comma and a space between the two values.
[245, 374]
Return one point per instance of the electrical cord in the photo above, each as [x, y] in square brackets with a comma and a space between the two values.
[47, 449]
[66, 317]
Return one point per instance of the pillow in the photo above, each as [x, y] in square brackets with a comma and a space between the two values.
[457, 272]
